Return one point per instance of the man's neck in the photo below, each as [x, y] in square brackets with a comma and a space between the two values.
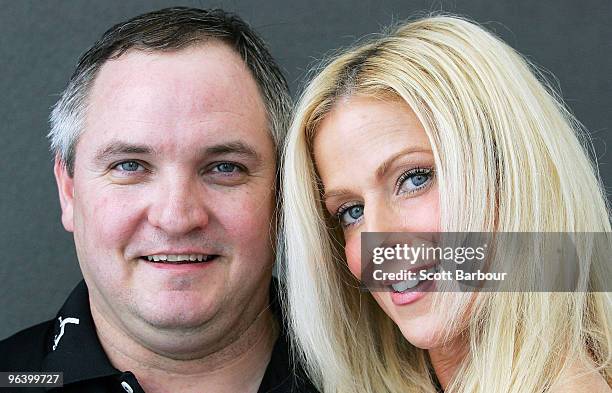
[237, 367]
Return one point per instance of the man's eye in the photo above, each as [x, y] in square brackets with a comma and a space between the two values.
[350, 215]
[414, 180]
[226, 167]
[129, 166]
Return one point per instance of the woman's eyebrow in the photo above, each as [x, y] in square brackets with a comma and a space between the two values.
[380, 171]
[384, 167]
[335, 194]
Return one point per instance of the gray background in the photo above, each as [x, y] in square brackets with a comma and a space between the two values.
[40, 43]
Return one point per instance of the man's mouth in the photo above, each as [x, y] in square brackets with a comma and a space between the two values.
[178, 259]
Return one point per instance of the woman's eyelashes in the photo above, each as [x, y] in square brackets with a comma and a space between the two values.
[414, 180]
[409, 182]
[349, 214]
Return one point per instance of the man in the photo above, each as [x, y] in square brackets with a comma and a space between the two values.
[166, 140]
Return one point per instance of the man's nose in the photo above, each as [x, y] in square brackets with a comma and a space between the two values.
[179, 206]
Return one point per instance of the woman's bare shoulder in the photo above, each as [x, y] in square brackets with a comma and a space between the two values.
[581, 378]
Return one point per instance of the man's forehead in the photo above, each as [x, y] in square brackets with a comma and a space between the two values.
[199, 96]
[207, 68]
[179, 143]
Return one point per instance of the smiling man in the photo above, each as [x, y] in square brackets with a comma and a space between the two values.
[166, 141]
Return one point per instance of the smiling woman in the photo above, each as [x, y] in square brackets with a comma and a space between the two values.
[438, 127]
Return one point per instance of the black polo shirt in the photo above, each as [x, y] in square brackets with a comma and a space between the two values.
[69, 343]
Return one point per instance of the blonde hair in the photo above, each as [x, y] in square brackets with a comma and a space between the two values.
[509, 158]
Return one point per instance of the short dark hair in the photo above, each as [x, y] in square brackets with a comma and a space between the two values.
[168, 29]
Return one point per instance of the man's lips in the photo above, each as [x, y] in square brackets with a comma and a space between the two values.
[178, 257]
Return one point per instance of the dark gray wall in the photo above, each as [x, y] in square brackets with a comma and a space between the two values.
[41, 41]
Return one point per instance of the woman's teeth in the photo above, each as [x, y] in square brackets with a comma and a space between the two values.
[411, 283]
[404, 285]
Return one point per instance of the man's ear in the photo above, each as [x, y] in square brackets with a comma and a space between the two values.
[65, 187]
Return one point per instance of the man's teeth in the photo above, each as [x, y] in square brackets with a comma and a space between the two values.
[179, 257]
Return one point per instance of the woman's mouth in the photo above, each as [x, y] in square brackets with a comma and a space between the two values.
[415, 281]
[409, 291]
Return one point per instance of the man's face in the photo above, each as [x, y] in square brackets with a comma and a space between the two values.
[175, 163]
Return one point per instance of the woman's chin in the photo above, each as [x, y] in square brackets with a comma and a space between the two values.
[423, 336]
[425, 330]
[419, 325]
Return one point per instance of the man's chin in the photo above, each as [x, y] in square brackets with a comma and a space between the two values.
[183, 317]
[178, 323]
[179, 339]
[181, 303]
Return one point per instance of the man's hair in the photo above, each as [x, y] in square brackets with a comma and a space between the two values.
[168, 29]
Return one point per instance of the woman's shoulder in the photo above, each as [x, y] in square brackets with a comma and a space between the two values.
[581, 377]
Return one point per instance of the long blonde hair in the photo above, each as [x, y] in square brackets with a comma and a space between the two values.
[509, 158]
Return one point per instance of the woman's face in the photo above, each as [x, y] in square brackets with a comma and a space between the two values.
[377, 168]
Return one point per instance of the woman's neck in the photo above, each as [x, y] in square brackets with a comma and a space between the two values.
[446, 359]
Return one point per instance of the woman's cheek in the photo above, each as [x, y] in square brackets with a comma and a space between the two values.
[352, 251]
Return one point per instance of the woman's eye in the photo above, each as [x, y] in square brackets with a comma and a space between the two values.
[350, 215]
[226, 167]
[129, 166]
[414, 180]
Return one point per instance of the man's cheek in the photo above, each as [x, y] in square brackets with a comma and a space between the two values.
[110, 220]
[248, 213]
[248, 223]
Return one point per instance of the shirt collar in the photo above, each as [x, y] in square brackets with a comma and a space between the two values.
[79, 354]
[74, 347]
[283, 373]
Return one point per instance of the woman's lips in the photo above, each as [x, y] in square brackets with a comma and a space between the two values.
[413, 294]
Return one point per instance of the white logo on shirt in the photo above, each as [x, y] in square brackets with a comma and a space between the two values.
[63, 323]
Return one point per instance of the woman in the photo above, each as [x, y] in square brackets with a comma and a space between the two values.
[438, 126]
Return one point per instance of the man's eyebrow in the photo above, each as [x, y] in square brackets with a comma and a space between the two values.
[117, 148]
[234, 147]
[120, 148]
